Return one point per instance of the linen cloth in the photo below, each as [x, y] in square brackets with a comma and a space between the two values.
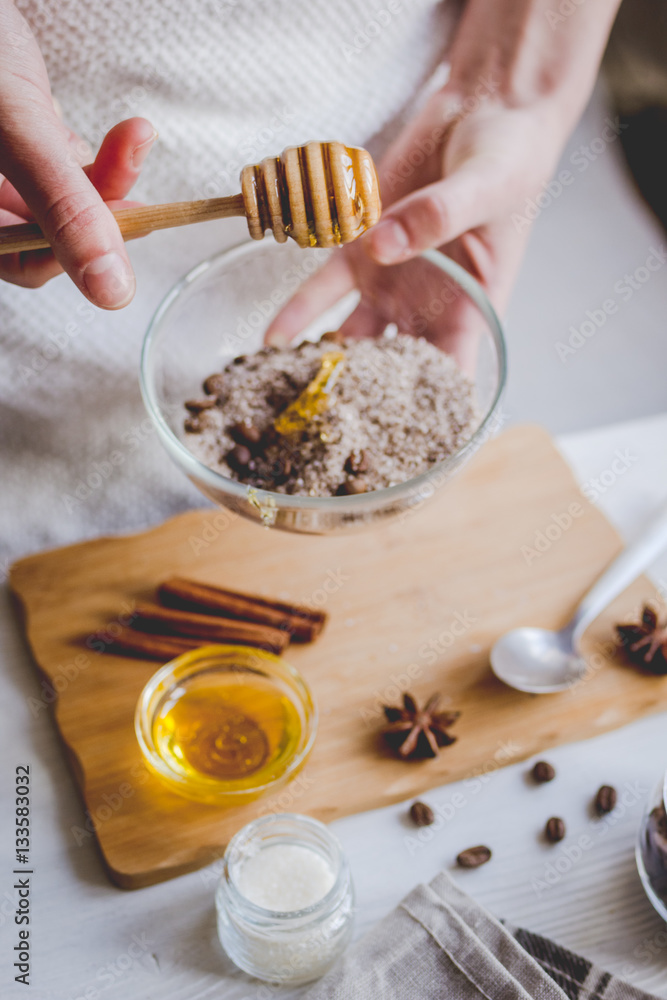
[225, 82]
[439, 943]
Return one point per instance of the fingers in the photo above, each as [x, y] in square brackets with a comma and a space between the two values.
[414, 159]
[317, 294]
[33, 268]
[30, 270]
[12, 201]
[39, 162]
[364, 321]
[38, 157]
[435, 214]
[118, 163]
[114, 171]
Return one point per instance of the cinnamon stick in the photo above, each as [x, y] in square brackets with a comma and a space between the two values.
[299, 622]
[151, 647]
[208, 628]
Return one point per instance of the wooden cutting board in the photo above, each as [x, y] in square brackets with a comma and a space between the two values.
[415, 603]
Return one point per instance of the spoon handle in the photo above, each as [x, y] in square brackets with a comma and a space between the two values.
[624, 569]
[135, 221]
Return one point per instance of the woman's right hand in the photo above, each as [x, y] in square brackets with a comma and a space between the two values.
[42, 178]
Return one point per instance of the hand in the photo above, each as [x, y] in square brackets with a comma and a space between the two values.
[459, 176]
[474, 170]
[42, 178]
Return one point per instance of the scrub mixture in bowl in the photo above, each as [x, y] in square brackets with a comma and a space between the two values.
[335, 417]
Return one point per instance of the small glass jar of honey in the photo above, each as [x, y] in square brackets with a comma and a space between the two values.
[224, 724]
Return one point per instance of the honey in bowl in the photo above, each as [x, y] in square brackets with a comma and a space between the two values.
[234, 729]
[315, 398]
[225, 723]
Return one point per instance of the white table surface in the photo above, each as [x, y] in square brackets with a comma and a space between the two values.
[91, 940]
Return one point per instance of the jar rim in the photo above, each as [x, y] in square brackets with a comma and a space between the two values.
[254, 830]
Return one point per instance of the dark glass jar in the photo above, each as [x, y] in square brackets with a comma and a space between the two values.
[652, 850]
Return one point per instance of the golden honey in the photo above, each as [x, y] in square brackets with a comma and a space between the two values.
[321, 194]
[315, 398]
[240, 728]
[225, 723]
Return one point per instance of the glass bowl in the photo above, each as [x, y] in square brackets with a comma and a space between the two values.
[222, 308]
[225, 724]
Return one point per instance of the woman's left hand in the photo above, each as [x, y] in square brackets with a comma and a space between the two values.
[458, 179]
[461, 175]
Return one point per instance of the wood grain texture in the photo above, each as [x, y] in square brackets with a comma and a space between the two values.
[135, 221]
[321, 194]
[332, 192]
[416, 602]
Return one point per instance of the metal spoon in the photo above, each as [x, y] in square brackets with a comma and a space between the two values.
[539, 661]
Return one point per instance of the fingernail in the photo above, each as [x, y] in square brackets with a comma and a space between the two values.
[140, 152]
[109, 281]
[389, 241]
[278, 339]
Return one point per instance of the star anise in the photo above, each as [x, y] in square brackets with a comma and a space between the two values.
[415, 732]
[645, 644]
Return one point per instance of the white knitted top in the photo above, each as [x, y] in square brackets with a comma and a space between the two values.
[225, 82]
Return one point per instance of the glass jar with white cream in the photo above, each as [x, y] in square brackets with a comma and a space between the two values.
[285, 901]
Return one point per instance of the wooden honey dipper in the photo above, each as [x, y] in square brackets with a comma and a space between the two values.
[322, 194]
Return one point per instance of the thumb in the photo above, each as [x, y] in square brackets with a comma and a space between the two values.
[39, 161]
[437, 213]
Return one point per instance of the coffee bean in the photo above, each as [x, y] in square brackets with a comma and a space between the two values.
[356, 462]
[239, 361]
[421, 814]
[239, 458]
[277, 399]
[333, 337]
[543, 772]
[213, 385]
[245, 433]
[473, 857]
[269, 436]
[280, 470]
[192, 425]
[351, 487]
[554, 830]
[197, 405]
[605, 800]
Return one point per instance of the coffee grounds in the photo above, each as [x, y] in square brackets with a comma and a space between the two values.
[399, 406]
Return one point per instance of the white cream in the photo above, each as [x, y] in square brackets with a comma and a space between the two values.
[285, 901]
[285, 877]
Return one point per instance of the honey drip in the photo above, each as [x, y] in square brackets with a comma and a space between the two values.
[238, 730]
[315, 398]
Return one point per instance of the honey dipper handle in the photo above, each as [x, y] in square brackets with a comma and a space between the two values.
[133, 221]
